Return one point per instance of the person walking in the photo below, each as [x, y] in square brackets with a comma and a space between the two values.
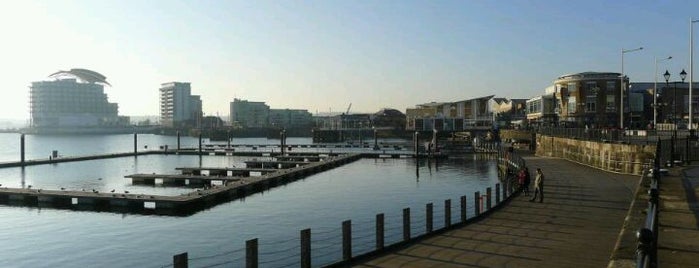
[538, 186]
[527, 181]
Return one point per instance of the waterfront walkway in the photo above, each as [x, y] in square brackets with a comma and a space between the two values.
[678, 243]
[577, 225]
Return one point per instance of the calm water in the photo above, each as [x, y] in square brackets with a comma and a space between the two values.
[33, 237]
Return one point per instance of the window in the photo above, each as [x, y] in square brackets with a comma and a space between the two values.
[591, 104]
[571, 104]
[572, 88]
[611, 87]
[610, 107]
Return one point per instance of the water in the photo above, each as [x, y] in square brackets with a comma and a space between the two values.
[35, 237]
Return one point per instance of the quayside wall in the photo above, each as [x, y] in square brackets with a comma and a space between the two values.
[615, 157]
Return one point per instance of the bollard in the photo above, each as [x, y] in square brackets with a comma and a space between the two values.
[180, 260]
[428, 218]
[379, 231]
[477, 203]
[135, 144]
[346, 240]
[21, 145]
[447, 213]
[497, 193]
[178, 141]
[463, 209]
[406, 224]
[306, 248]
[488, 203]
[200, 143]
[251, 253]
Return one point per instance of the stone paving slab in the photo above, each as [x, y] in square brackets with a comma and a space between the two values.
[577, 225]
[678, 240]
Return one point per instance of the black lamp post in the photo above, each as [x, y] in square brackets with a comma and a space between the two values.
[683, 75]
[667, 86]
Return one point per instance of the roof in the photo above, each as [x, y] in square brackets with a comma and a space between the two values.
[84, 75]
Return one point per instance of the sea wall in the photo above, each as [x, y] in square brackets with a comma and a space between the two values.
[615, 157]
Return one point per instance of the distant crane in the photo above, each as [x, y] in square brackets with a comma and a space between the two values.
[348, 108]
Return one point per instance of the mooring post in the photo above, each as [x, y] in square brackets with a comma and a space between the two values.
[376, 140]
[428, 218]
[447, 213]
[379, 231]
[21, 146]
[416, 139]
[251, 253]
[406, 224]
[488, 192]
[135, 144]
[180, 260]
[200, 150]
[306, 248]
[477, 203]
[228, 138]
[463, 209]
[346, 240]
[281, 140]
[686, 151]
[178, 141]
[497, 193]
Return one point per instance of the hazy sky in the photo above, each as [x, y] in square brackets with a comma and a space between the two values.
[323, 55]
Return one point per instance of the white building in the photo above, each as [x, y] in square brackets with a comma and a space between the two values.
[178, 107]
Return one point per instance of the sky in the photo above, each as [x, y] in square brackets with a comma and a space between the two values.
[323, 55]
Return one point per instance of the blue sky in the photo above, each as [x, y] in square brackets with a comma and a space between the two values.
[323, 55]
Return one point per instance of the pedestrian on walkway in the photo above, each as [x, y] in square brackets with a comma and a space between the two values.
[527, 181]
[538, 186]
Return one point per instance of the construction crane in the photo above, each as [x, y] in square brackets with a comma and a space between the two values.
[348, 108]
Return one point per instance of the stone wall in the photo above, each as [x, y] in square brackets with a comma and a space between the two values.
[615, 157]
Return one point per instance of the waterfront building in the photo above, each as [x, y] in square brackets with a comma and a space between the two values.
[452, 116]
[178, 107]
[290, 118]
[75, 98]
[389, 118]
[592, 98]
[249, 114]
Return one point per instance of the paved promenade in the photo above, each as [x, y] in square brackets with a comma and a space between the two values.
[577, 225]
[678, 243]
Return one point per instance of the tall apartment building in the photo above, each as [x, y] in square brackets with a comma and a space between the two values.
[75, 99]
[249, 113]
[178, 107]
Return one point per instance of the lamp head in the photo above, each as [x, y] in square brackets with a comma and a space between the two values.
[683, 75]
[667, 76]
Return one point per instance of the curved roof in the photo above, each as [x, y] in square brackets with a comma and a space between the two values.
[84, 75]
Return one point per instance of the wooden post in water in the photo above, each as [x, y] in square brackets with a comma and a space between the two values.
[447, 213]
[306, 248]
[376, 140]
[463, 209]
[281, 141]
[477, 203]
[416, 140]
[406, 224]
[251, 253]
[178, 141]
[488, 192]
[379, 231]
[228, 138]
[180, 260]
[21, 148]
[135, 144]
[428, 218]
[346, 240]
[497, 193]
[200, 151]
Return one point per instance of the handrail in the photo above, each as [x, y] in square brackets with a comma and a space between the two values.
[647, 249]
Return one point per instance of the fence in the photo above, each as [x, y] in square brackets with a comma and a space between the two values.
[615, 135]
[353, 240]
[647, 249]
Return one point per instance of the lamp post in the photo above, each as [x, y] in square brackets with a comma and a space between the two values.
[655, 90]
[667, 86]
[621, 89]
[683, 75]
[691, 67]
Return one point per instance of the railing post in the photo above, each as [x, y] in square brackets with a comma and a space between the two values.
[306, 248]
[251, 253]
[477, 203]
[672, 150]
[463, 209]
[497, 193]
[346, 240]
[180, 260]
[406, 224]
[488, 201]
[428, 218]
[447, 213]
[379, 231]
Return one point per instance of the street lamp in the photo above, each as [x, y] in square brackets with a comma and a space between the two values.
[667, 86]
[621, 89]
[691, 63]
[683, 75]
[655, 90]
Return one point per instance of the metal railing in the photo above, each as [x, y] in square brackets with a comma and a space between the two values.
[647, 249]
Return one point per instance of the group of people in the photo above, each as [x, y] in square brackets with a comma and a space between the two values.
[524, 179]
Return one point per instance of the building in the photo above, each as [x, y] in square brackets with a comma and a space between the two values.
[249, 114]
[75, 99]
[290, 118]
[593, 98]
[452, 116]
[178, 107]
